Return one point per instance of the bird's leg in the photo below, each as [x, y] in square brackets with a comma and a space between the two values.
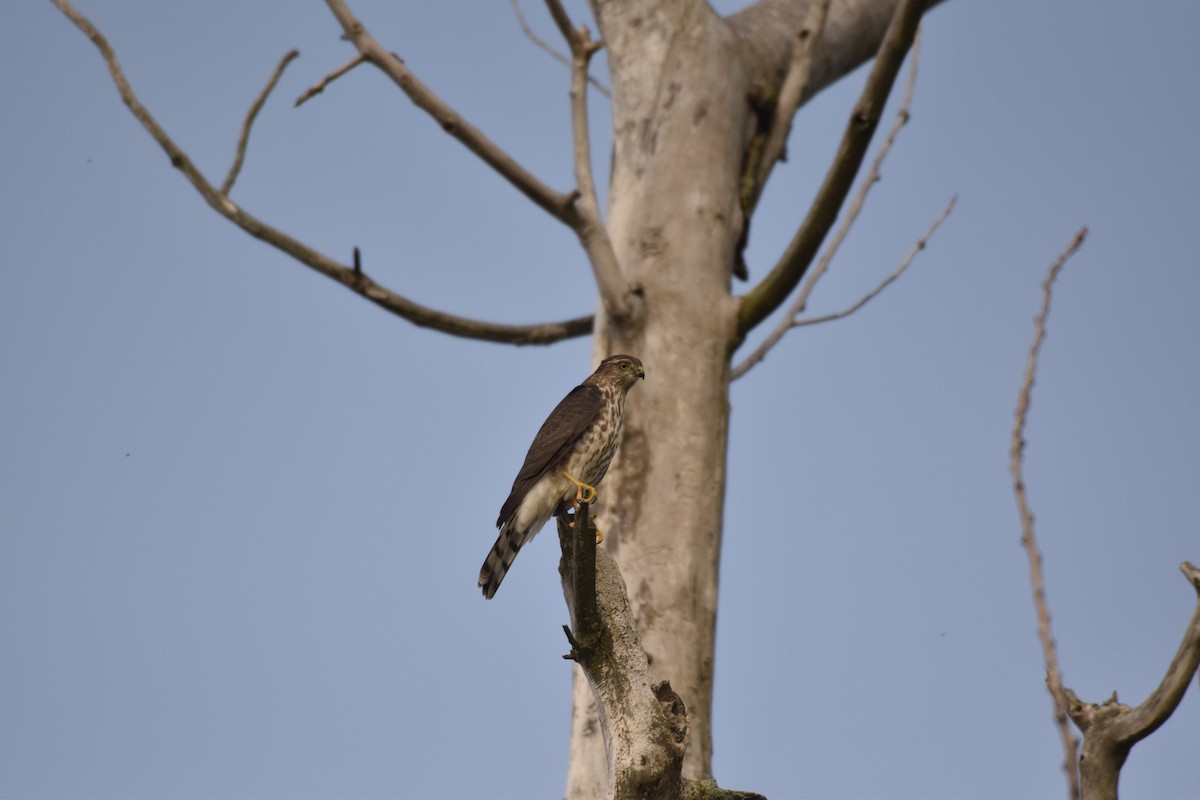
[585, 494]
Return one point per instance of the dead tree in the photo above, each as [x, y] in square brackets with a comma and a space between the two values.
[1110, 729]
[702, 107]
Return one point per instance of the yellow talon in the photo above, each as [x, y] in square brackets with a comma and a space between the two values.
[585, 494]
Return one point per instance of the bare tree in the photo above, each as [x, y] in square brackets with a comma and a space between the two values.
[702, 106]
[1111, 729]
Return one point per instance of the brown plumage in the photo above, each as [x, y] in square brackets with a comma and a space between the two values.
[578, 439]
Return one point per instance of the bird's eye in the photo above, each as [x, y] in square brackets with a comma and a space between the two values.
[624, 365]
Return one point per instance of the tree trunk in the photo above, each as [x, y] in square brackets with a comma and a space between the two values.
[682, 80]
[674, 219]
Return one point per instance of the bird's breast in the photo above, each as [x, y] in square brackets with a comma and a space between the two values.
[593, 452]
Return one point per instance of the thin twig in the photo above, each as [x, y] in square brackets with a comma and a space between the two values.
[1054, 682]
[757, 304]
[259, 101]
[903, 115]
[791, 321]
[582, 218]
[856, 205]
[560, 205]
[544, 45]
[357, 282]
[320, 85]
[871, 295]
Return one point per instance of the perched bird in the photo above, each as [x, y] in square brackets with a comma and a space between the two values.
[568, 457]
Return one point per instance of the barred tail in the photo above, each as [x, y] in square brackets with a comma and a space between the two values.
[501, 557]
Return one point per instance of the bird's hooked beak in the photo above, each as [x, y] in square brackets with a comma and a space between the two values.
[641, 372]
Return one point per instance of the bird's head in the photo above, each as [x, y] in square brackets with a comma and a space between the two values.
[624, 371]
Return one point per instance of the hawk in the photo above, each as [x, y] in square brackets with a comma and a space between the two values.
[568, 457]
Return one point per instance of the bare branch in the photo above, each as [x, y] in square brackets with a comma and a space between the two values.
[544, 45]
[1062, 702]
[645, 722]
[614, 291]
[320, 85]
[871, 295]
[1158, 707]
[758, 303]
[903, 115]
[559, 205]
[792, 92]
[791, 320]
[579, 573]
[584, 218]
[349, 277]
[562, 20]
[644, 757]
[1111, 729]
[249, 121]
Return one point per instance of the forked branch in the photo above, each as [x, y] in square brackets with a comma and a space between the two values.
[1110, 729]
[1158, 707]
[352, 279]
[582, 218]
[759, 302]
[800, 304]
[793, 320]
[558, 204]
[1054, 682]
[545, 46]
[886, 282]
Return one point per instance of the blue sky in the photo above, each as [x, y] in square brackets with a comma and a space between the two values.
[242, 510]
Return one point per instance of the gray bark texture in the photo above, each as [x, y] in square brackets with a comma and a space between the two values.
[683, 87]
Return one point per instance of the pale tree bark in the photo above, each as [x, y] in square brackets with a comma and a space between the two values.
[679, 108]
[682, 82]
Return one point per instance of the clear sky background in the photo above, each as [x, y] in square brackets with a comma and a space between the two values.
[242, 510]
